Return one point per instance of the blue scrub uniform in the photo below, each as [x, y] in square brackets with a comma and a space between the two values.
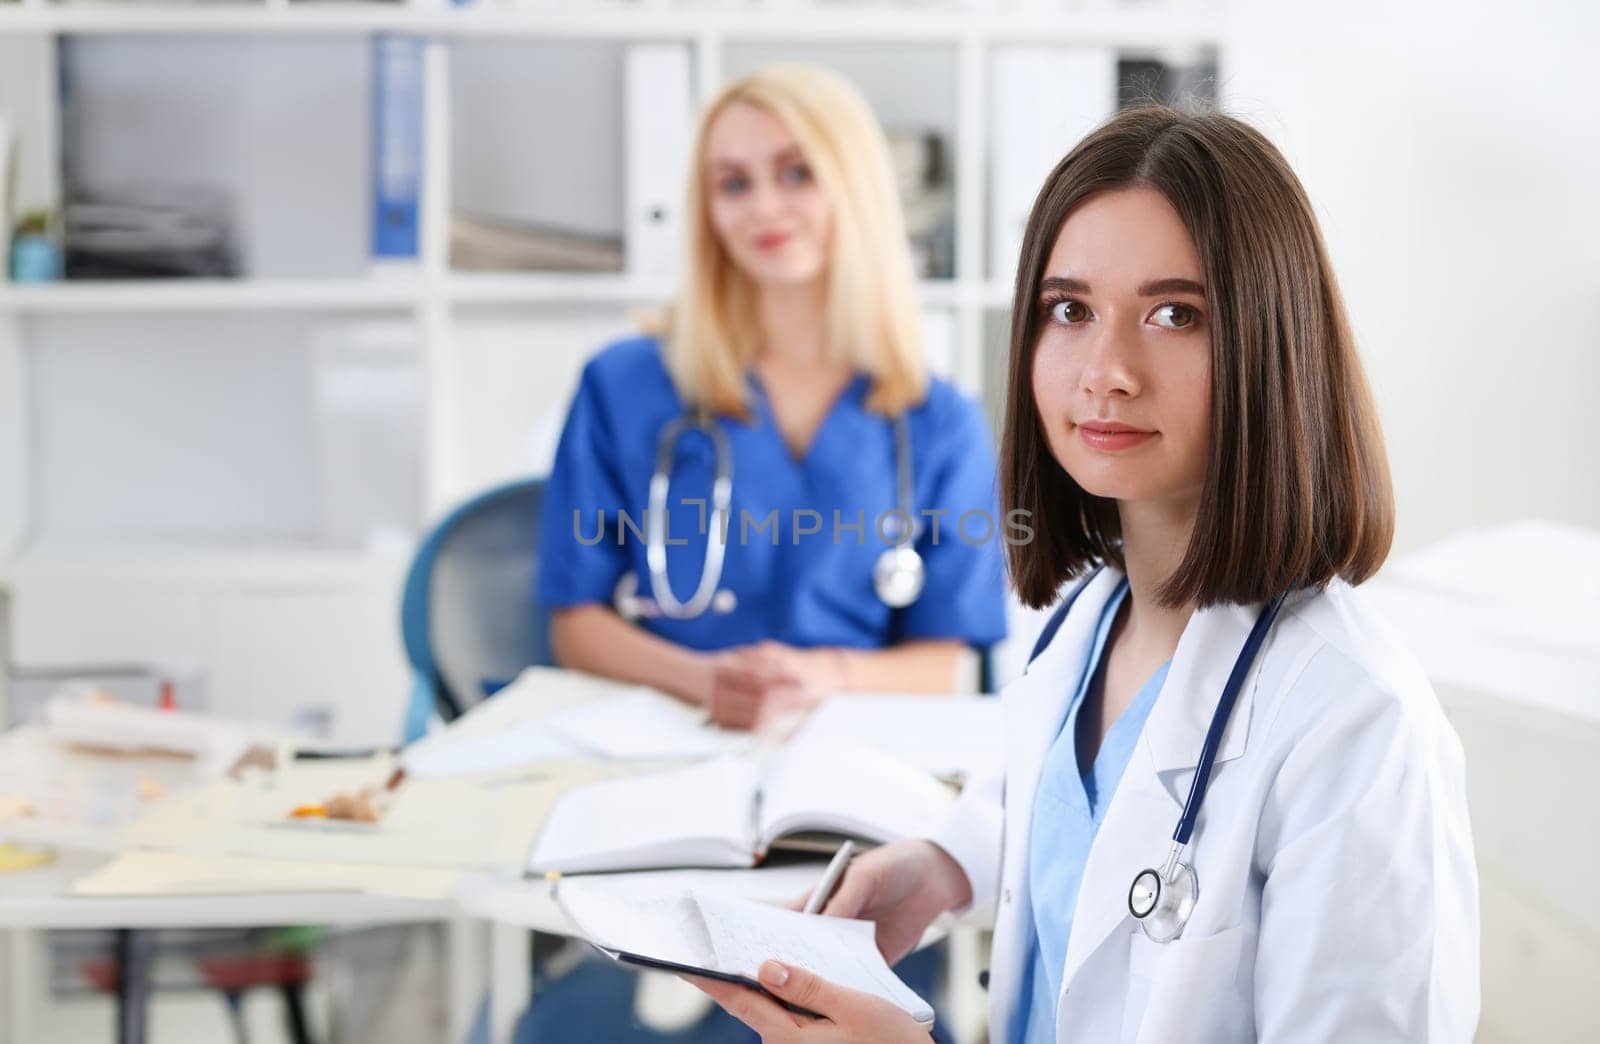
[793, 585]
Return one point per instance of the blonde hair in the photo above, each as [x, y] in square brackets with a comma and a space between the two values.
[872, 321]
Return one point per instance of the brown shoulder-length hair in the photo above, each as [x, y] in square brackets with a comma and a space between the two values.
[1297, 485]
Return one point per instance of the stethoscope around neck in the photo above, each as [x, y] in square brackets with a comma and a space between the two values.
[898, 575]
[1162, 900]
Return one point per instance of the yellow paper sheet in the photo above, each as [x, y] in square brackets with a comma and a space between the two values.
[454, 824]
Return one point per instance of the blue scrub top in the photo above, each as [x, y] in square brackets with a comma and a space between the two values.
[1067, 810]
[800, 588]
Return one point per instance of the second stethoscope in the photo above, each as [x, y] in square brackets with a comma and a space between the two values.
[897, 576]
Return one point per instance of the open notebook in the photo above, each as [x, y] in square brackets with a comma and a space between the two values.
[730, 811]
[700, 933]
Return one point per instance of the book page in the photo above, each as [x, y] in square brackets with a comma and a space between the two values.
[696, 816]
[624, 915]
[845, 787]
[743, 934]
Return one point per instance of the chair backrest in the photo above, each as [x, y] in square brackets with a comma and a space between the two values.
[470, 615]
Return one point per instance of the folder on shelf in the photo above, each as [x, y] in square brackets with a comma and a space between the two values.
[8, 188]
[396, 146]
[659, 114]
[1080, 84]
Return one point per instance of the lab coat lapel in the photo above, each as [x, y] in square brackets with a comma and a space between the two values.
[1035, 705]
[1039, 703]
[1138, 826]
[1205, 656]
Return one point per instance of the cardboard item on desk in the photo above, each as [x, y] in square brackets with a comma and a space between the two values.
[143, 873]
[729, 812]
[701, 933]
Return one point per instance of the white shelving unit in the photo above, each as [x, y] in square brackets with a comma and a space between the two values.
[496, 352]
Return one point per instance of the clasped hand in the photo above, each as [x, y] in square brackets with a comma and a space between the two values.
[752, 684]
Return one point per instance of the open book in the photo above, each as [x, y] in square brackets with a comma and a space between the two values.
[730, 811]
[699, 933]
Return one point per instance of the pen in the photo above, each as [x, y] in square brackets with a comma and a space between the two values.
[830, 878]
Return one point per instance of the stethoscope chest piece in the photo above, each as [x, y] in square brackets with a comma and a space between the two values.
[1162, 900]
[898, 576]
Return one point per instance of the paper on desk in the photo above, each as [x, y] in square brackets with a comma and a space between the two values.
[942, 735]
[442, 823]
[553, 715]
[537, 693]
[641, 724]
[175, 873]
[528, 743]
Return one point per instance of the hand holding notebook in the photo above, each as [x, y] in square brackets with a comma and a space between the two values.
[697, 933]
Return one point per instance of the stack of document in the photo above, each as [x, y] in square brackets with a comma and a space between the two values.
[114, 726]
[698, 933]
[636, 724]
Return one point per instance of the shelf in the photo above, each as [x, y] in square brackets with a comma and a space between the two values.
[270, 567]
[511, 288]
[514, 288]
[1121, 28]
[175, 295]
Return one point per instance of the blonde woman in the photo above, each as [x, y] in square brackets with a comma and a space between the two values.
[795, 344]
[793, 354]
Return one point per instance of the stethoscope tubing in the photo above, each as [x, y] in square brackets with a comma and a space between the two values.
[1219, 720]
[666, 603]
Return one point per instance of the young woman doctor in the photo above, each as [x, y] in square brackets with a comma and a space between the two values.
[1190, 425]
[796, 341]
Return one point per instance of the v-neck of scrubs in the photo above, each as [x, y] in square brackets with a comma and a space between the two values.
[1069, 805]
[849, 393]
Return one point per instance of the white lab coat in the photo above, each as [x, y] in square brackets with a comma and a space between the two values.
[1337, 892]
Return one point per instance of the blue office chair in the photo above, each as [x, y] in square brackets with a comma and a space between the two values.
[470, 617]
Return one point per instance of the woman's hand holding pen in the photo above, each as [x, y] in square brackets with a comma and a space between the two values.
[901, 887]
[752, 684]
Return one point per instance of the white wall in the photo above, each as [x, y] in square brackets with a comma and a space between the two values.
[1451, 151]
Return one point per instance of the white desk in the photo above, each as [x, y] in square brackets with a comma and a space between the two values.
[489, 949]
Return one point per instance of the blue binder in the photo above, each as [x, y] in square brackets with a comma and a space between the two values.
[396, 146]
